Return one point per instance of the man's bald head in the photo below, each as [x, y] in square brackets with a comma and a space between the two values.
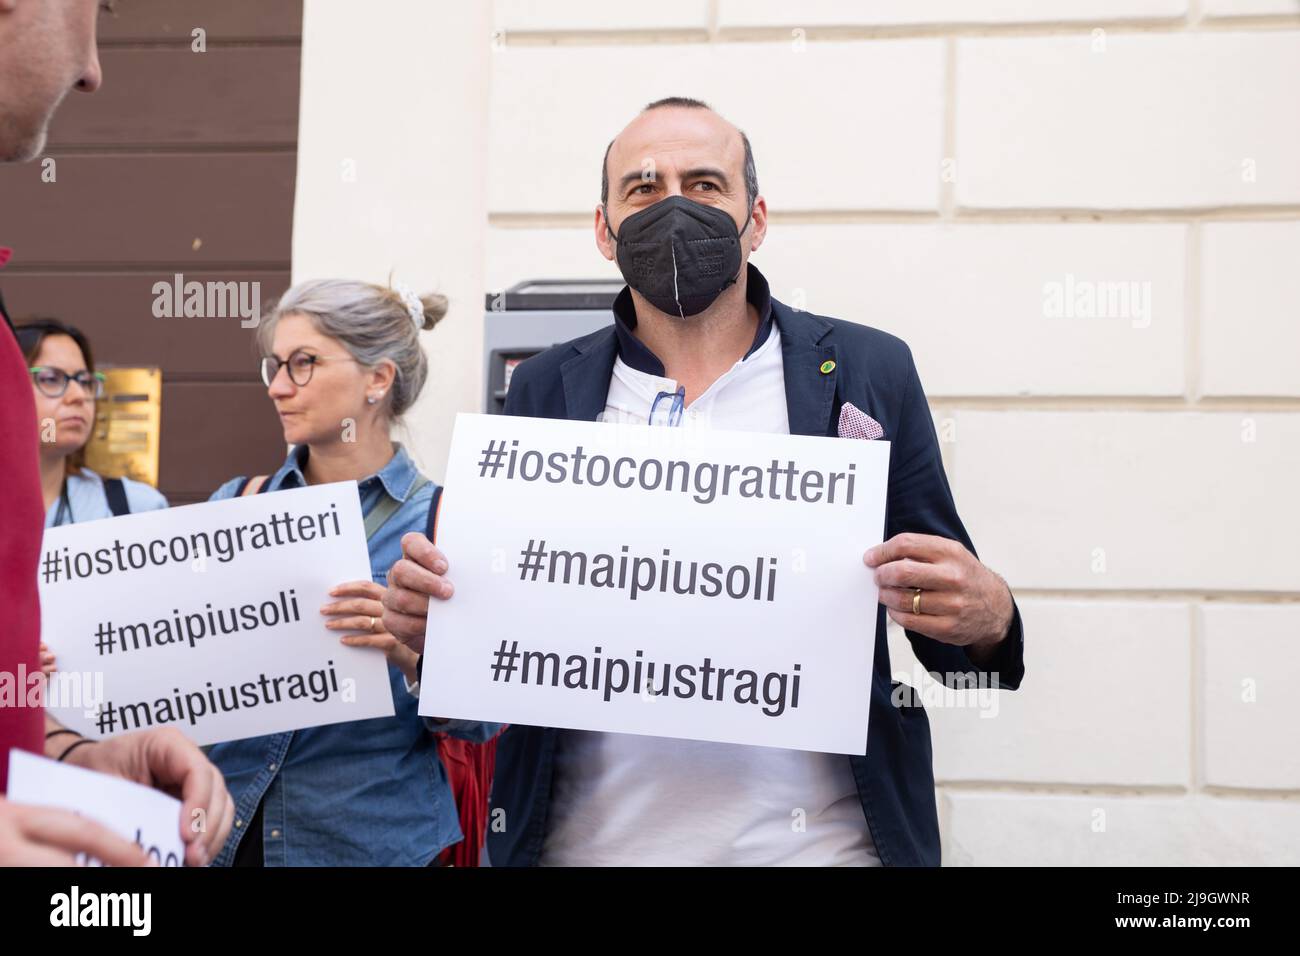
[749, 172]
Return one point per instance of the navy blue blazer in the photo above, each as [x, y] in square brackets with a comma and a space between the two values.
[873, 370]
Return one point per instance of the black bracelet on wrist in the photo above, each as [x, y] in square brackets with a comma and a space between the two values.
[83, 740]
[64, 730]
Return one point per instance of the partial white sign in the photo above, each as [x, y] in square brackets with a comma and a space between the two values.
[146, 817]
[207, 618]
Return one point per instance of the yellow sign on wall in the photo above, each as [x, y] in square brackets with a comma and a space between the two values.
[128, 425]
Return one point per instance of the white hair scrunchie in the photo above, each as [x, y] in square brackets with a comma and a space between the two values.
[414, 307]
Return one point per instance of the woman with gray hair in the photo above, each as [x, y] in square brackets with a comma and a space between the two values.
[342, 361]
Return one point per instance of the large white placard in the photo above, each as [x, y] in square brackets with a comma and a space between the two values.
[146, 817]
[207, 618]
[675, 582]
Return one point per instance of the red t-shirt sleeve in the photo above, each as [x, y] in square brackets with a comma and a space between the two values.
[22, 522]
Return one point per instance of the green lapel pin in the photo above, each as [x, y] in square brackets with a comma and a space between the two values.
[827, 367]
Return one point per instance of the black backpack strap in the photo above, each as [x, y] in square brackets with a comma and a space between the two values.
[431, 527]
[115, 492]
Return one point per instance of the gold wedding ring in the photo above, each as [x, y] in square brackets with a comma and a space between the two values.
[916, 602]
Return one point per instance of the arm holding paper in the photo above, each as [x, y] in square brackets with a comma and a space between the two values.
[165, 760]
[968, 622]
[972, 624]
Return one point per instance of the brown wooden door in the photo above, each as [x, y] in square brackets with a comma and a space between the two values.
[183, 162]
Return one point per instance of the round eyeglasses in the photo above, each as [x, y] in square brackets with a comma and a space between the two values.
[54, 381]
[300, 366]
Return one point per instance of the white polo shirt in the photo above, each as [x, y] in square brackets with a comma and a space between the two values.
[629, 800]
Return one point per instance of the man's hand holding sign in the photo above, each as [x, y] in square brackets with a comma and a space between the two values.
[934, 586]
[420, 575]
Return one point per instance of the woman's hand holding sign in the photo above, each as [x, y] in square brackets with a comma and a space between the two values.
[361, 610]
[411, 582]
[936, 587]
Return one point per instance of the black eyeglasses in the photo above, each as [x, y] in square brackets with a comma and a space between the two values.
[54, 381]
[300, 365]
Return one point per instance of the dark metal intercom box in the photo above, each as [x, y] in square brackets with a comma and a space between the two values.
[530, 317]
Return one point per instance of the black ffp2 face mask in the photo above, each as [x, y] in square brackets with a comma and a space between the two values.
[681, 255]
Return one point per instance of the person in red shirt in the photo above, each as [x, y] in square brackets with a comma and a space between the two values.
[47, 47]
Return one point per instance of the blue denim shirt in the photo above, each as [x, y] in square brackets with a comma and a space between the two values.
[361, 793]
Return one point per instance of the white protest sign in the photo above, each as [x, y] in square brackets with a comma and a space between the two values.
[207, 618]
[144, 816]
[675, 582]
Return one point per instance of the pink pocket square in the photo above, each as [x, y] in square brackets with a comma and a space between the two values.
[855, 423]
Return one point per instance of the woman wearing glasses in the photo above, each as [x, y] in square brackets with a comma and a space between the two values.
[341, 362]
[66, 387]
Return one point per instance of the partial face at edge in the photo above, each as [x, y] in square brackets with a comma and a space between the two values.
[47, 47]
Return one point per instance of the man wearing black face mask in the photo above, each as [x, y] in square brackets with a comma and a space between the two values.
[697, 335]
[679, 254]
